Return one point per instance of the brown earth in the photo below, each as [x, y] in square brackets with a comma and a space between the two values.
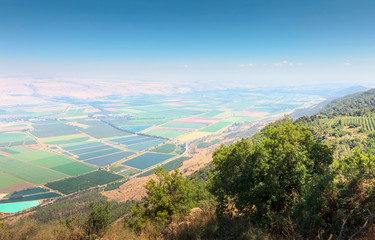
[17, 187]
[131, 190]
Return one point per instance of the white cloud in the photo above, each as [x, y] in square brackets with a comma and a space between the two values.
[247, 65]
[186, 66]
[283, 63]
[287, 63]
[347, 63]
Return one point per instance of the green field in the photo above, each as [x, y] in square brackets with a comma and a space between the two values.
[173, 113]
[53, 129]
[165, 133]
[99, 129]
[168, 166]
[15, 139]
[7, 150]
[74, 168]
[116, 168]
[65, 139]
[215, 127]
[85, 181]
[113, 186]
[166, 148]
[15, 150]
[210, 114]
[144, 145]
[27, 171]
[129, 172]
[8, 180]
[52, 161]
[183, 125]
[29, 156]
[12, 137]
[123, 122]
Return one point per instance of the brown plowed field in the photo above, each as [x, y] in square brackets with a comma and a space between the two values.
[17, 187]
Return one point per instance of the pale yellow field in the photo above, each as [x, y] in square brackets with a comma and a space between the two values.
[78, 125]
[227, 114]
[192, 136]
[61, 138]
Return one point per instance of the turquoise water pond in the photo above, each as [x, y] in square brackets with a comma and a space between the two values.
[16, 207]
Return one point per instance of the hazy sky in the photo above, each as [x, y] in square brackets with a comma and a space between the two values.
[274, 41]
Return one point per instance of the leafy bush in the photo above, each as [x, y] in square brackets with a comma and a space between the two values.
[340, 202]
[266, 181]
[99, 219]
[170, 195]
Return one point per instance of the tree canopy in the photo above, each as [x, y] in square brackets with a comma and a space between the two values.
[266, 180]
[170, 195]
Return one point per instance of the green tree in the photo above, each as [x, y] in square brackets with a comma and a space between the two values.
[170, 195]
[99, 219]
[265, 181]
[341, 201]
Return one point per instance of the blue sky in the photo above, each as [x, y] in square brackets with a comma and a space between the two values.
[276, 41]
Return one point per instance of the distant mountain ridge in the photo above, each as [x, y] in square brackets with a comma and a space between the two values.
[332, 98]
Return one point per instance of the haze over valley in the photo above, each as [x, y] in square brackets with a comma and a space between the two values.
[146, 119]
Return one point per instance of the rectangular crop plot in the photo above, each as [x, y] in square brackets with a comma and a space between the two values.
[211, 114]
[146, 139]
[99, 153]
[74, 168]
[18, 150]
[215, 127]
[99, 129]
[184, 125]
[27, 171]
[130, 172]
[136, 128]
[147, 160]
[52, 161]
[168, 166]
[68, 139]
[14, 139]
[32, 197]
[166, 148]
[7, 150]
[85, 181]
[53, 130]
[166, 133]
[29, 156]
[144, 145]
[109, 159]
[30, 191]
[90, 149]
[81, 146]
[125, 139]
[8, 180]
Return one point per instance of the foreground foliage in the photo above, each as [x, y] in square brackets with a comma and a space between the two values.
[266, 181]
[288, 184]
[170, 195]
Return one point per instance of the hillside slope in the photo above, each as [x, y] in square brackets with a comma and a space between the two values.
[343, 124]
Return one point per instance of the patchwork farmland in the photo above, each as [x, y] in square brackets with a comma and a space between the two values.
[63, 147]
